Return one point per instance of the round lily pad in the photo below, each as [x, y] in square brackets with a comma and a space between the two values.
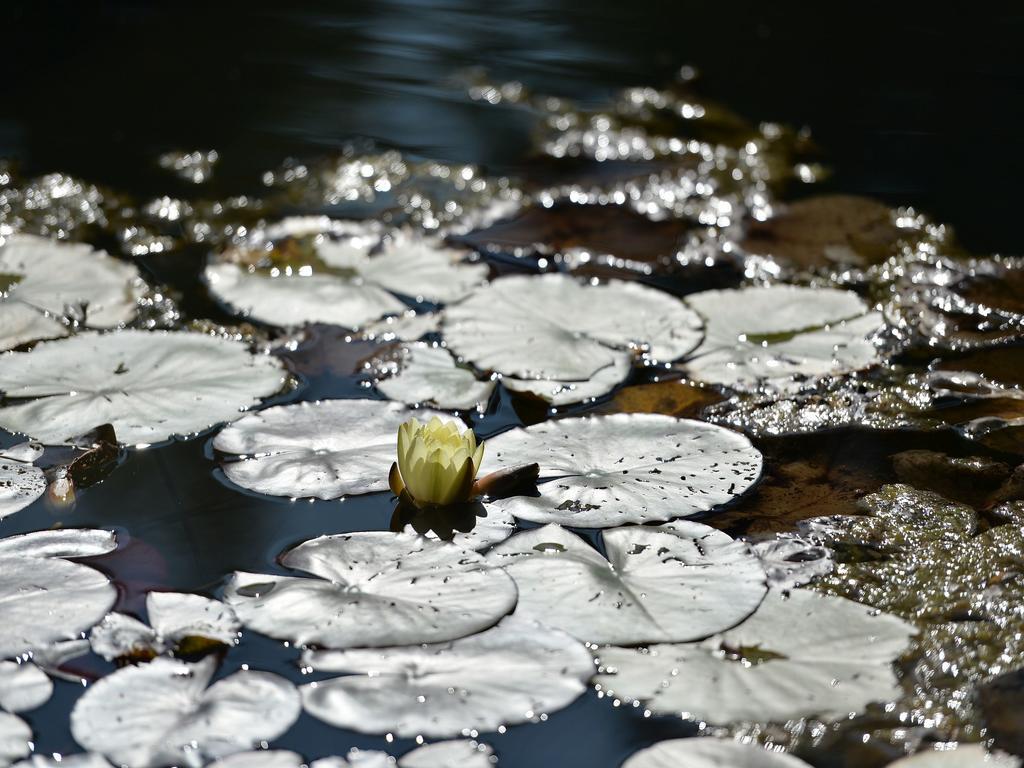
[710, 753]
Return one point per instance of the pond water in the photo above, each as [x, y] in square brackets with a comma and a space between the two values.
[705, 256]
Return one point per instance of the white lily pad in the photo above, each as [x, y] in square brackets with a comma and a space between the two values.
[409, 326]
[604, 471]
[262, 758]
[553, 326]
[428, 374]
[325, 449]
[48, 599]
[461, 753]
[806, 654]
[353, 289]
[15, 738]
[962, 756]
[23, 686]
[486, 525]
[710, 753]
[559, 393]
[770, 334]
[655, 586]
[374, 589]
[174, 616]
[163, 713]
[21, 483]
[51, 279]
[80, 760]
[149, 385]
[52, 657]
[512, 673]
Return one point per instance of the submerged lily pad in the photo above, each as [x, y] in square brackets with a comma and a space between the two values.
[23, 686]
[805, 654]
[772, 334]
[338, 282]
[46, 598]
[175, 618]
[603, 471]
[657, 585]
[710, 753]
[42, 280]
[149, 386]
[21, 483]
[555, 327]
[325, 449]
[163, 713]
[428, 374]
[374, 589]
[510, 674]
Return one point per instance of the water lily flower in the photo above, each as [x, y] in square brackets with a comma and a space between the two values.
[437, 464]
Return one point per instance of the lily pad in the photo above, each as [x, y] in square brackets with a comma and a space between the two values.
[657, 585]
[462, 753]
[23, 686]
[555, 327]
[163, 713]
[46, 598]
[805, 654]
[50, 279]
[710, 753]
[175, 618]
[81, 760]
[772, 334]
[59, 542]
[340, 283]
[604, 471]
[428, 374]
[149, 386]
[559, 393]
[962, 756]
[409, 326]
[470, 526]
[21, 483]
[510, 674]
[374, 589]
[263, 758]
[325, 449]
[15, 738]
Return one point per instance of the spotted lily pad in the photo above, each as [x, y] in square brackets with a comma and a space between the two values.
[338, 282]
[149, 386]
[48, 599]
[374, 589]
[21, 483]
[163, 713]
[604, 471]
[962, 756]
[23, 686]
[513, 673]
[175, 618]
[42, 280]
[656, 585]
[555, 327]
[710, 753]
[324, 449]
[772, 334]
[428, 374]
[805, 654]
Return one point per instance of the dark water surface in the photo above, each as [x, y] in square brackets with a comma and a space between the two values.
[910, 106]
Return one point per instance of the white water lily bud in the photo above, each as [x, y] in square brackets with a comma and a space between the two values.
[437, 464]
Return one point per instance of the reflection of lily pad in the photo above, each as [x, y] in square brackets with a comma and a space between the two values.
[374, 589]
[552, 326]
[603, 471]
[658, 585]
[772, 334]
[179, 621]
[324, 449]
[170, 384]
[163, 713]
[340, 283]
[46, 279]
[510, 674]
[806, 654]
[710, 753]
[47, 599]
